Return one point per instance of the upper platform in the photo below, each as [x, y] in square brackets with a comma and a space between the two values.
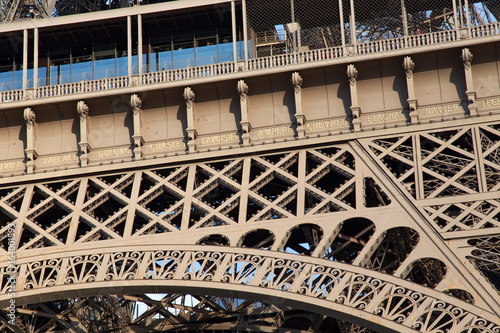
[149, 44]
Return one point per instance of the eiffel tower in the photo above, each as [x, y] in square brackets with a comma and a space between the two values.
[250, 166]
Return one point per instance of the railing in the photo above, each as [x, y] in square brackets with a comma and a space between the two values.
[253, 64]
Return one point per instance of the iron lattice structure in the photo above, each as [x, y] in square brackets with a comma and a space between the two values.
[304, 226]
[342, 214]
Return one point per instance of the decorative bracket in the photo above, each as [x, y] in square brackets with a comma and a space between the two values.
[136, 104]
[191, 130]
[471, 93]
[352, 75]
[409, 66]
[31, 155]
[245, 124]
[299, 115]
[83, 110]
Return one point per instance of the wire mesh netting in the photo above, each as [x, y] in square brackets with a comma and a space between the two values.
[286, 26]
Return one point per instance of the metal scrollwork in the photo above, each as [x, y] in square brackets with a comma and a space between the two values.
[242, 89]
[408, 66]
[188, 96]
[29, 117]
[352, 74]
[136, 103]
[296, 81]
[466, 57]
[83, 110]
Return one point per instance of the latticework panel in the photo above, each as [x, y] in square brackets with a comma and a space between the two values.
[462, 163]
[454, 177]
[172, 199]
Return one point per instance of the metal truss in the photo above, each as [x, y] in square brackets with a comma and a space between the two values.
[356, 228]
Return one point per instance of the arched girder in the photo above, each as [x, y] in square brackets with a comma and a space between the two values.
[371, 299]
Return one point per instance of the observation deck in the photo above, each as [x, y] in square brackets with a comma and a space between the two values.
[189, 41]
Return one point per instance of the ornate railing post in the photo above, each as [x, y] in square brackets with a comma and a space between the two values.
[83, 111]
[299, 115]
[246, 127]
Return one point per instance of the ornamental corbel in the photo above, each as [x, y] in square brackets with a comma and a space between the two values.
[466, 57]
[83, 110]
[242, 90]
[352, 74]
[135, 103]
[297, 81]
[29, 117]
[408, 66]
[188, 96]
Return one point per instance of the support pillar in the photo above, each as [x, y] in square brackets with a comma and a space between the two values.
[129, 46]
[136, 104]
[139, 45]
[191, 131]
[409, 66]
[245, 124]
[299, 115]
[25, 61]
[342, 29]
[352, 74]
[245, 30]
[83, 111]
[352, 27]
[233, 29]
[471, 93]
[35, 60]
[31, 155]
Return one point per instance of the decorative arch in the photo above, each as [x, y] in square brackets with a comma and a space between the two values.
[371, 299]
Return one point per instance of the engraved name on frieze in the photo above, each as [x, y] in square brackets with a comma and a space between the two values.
[278, 130]
[442, 109]
[167, 145]
[113, 152]
[387, 116]
[326, 124]
[220, 138]
[490, 102]
[10, 165]
[60, 159]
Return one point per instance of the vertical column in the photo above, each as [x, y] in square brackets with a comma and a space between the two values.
[139, 44]
[352, 26]
[136, 104]
[191, 131]
[352, 74]
[83, 110]
[246, 127]
[35, 59]
[25, 62]
[405, 18]
[467, 16]
[245, 29]
[233, 29]
[409, 66]
[129, 45]
[471, 93]
[455, 16]
[299, 115]
[31, 155]
[342, 29]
